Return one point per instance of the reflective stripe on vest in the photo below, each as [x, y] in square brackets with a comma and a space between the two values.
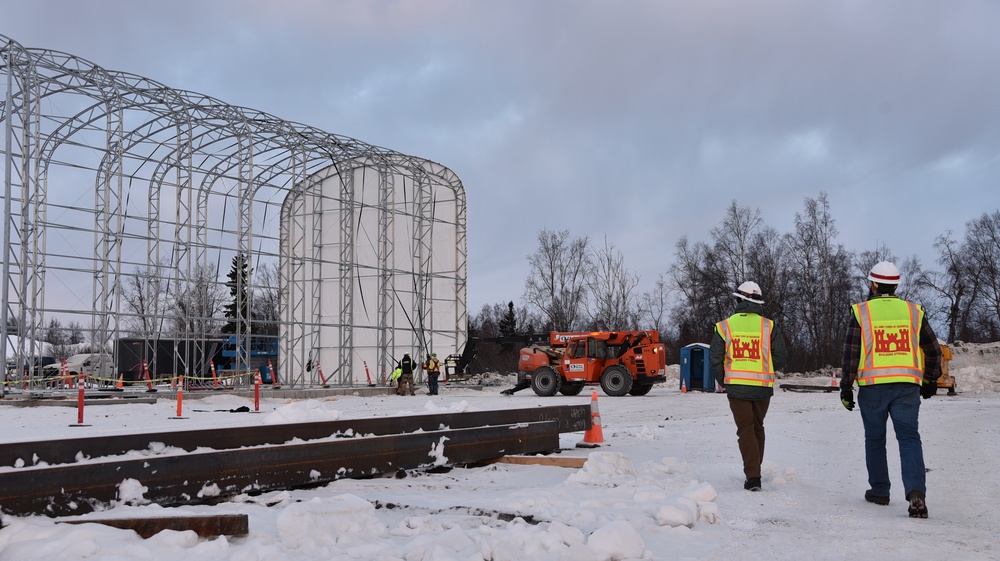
[748, 350]
[890, 341]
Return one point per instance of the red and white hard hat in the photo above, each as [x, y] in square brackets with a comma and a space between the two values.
[884, 272]
[749, 291]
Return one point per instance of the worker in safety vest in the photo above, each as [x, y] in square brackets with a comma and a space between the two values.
[394, 377]
[433, 367]
[406, 364]
[893, 354]
[746, 351]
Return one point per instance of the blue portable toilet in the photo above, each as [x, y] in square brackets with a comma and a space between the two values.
[265, 374]
[696, 372]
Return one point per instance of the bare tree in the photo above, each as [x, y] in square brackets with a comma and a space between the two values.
[821, 296]
[982, 241]
[612, 290]
[57, 339]
[266, 300]
[769, 265]
[705, 294]
[655, 305]
[956, 287]
[143, 296]
[556, 284]
[198, 303]
[733, 241]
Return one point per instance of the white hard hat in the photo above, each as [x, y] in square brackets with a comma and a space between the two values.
[884, 272]
[749, 291]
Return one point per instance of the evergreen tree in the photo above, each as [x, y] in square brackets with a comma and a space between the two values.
[508, 323]
[238, 309]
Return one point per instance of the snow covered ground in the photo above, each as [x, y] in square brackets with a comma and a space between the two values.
[666, 484]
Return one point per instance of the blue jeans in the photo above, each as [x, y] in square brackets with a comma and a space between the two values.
[901, 403]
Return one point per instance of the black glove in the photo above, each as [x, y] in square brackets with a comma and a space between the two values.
[928, 389]
[847, 398]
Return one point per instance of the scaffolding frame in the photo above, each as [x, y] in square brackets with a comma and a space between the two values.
[171, 185]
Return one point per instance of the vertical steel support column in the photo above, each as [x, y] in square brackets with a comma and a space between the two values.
[31, 273]
[461, 266]
[8, 119]
[385, 258]
[107, 225]
[244, 226]
[346, 271]
[424, 231]
[184, 273]
[197, 353]
[314, 294]
[291, 333]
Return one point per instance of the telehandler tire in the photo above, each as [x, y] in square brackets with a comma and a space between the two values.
[545, 381]
[616, 381]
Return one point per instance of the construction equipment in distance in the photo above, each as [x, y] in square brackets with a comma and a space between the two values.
[946, 380]
[622, 362]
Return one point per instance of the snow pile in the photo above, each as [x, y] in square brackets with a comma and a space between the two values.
[974, 367]
[130, 491]
[653, 487]
[322, 527]
[301, 412]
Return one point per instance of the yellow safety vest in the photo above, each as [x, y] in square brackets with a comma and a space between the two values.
[890, 341]
[433, 365]
[748, 350]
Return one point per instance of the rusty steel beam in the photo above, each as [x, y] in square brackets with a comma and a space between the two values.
[207, 476]
[570, 418]
[204, 526]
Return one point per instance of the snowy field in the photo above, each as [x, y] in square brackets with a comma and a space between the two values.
[665, 484]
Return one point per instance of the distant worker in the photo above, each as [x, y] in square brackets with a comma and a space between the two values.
[406, 378]
[397, 373]
[746, 351]
[433, 367]
[892, 352]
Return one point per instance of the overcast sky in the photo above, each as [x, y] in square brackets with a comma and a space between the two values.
[639, 120]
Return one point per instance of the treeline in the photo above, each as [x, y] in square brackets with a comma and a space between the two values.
[809, 281]
[154, 304]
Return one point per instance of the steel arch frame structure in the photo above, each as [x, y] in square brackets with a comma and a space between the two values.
[369, 250]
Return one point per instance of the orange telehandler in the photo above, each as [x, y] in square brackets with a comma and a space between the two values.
[622, 362]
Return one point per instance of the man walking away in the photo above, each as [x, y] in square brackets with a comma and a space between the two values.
[406, 379]
[746, 351]
[433, 368]
[893, 354]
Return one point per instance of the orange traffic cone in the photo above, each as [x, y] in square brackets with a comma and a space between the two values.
[121, 381]
[684, 388]
[594, 436]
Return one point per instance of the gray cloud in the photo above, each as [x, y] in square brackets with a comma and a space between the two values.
[640, 120]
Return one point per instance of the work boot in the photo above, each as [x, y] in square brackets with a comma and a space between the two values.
[752, 484]
[506, 392]
[877, 499]
[918, 506]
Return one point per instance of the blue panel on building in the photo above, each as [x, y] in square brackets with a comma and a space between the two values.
[696, 372]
